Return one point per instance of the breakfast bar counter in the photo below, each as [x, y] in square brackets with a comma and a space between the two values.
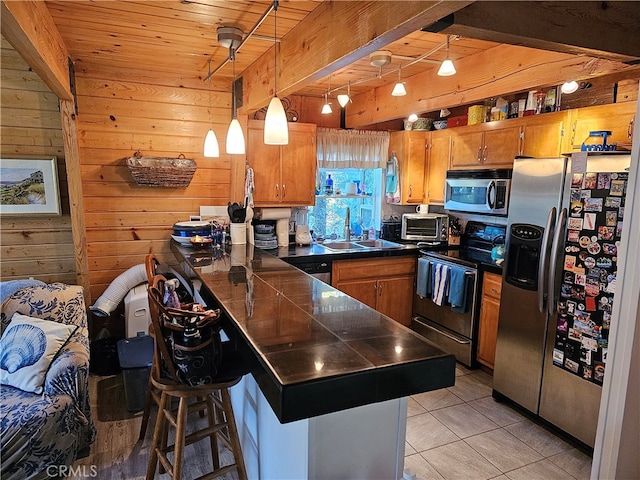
[326, 367]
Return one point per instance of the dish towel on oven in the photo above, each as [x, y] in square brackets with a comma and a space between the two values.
[423, 280]
[458, 289]
[439, 282]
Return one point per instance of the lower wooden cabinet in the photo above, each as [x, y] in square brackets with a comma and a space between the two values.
[386, 284]
[489, 312]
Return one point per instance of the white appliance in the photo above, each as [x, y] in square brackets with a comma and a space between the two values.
[478, 191]
[565, 218]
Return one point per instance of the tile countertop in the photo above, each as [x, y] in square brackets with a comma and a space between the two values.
[316, 349]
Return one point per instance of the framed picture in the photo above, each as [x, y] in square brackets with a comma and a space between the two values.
[29, 187]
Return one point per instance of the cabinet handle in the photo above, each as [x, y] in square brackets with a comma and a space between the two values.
[277, 191]
[380, 291]
[630, 128]
[284, 190]
[410, 192]
[484, 158]
[479, 152]
[573, 131]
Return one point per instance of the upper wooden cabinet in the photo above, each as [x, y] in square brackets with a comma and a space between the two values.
[487, 145]
[438, 153]
[410, 148]
[542, 135]
[617, 118]
[283, 175]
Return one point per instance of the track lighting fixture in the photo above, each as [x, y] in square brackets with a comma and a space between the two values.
[447, 69]
[343, 99]
[398, 89]
[211, 148]
[235, 137]
[326, 108]
[276, 129]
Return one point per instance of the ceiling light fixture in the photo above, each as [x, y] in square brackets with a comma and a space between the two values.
[235, 137]
[447, 69]
[211, 148]
[398, 89]
[380, 58]
[343, 99]
[326, 108]
[276, 129]
[569, 87]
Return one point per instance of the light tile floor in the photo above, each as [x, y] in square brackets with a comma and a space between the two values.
[462, 433]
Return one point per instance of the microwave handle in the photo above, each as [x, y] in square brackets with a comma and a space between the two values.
[491, 190]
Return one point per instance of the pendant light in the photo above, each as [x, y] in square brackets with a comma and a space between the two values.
[211, 148]
[398, 89]
[447, 69]
[235, 137]
[276, 130]
[343, 99]
[326, 108]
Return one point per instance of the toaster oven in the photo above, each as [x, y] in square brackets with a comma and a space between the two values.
[425, 227]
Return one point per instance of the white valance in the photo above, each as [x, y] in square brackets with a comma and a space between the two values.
[352, 148]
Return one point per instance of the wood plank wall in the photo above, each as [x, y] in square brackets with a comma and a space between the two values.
[30, 126]
[160, 116]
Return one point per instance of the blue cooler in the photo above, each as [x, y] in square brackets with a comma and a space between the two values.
[135, 356]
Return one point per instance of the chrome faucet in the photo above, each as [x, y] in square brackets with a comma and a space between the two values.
[347, 226]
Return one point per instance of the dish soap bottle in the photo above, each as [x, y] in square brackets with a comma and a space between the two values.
[328, 189]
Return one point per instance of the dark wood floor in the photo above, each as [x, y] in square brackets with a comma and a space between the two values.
[117, 453]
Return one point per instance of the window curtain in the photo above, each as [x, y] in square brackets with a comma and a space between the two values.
[352, 148]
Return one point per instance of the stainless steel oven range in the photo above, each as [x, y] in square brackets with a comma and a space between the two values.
[446, 304]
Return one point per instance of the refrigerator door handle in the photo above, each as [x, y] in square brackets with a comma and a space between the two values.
[553, 263]
[544, 258]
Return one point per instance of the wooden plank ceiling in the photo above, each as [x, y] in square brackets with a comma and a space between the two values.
[176, 39]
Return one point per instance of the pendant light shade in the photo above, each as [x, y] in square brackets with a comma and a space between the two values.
[211, 148]
[235, 138]
[276, 129]
[343, 99]
[398, 89]
[447, 69]
[326, 108]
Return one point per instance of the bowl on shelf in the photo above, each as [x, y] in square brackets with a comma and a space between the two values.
[423, 124]
[440, 124]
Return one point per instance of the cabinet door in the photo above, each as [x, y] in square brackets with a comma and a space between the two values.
[265, 161]
[362, 290]
[298, 175]
[395, 296]
[466, 149]
[542, 135]
[489, 313]
[412, 179]
[437, 166]
[617, 118]
[500, 147]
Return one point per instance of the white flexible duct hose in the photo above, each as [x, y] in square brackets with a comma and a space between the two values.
[117, 290]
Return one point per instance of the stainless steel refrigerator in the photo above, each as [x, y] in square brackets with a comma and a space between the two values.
[564, 224]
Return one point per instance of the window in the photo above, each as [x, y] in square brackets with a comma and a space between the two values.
[327, 217]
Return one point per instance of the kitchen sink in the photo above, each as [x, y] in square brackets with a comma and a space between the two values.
[378, 244]
[361, 244]
[343, 245]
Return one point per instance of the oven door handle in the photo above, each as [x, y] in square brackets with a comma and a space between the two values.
[553, 262]
[544, 258]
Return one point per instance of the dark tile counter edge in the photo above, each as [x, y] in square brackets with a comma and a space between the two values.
[317, 397]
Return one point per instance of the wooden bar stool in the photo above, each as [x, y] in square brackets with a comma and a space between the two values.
[213, 398]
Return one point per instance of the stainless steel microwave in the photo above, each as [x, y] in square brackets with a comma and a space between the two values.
[425, 227]
[478, 191]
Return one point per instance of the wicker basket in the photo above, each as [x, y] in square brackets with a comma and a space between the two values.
[160, 171]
